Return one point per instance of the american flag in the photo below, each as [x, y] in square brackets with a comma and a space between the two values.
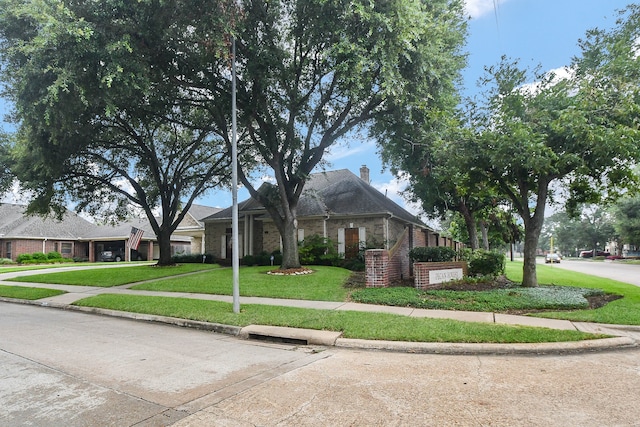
[135, 237]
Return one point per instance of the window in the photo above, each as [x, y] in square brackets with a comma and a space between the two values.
[66, 249]
[8, 250]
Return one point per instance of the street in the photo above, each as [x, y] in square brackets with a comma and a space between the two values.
[627, 273]
[78, 369]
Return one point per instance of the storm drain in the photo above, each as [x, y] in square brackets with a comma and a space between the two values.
[286, 335]
[278, 339]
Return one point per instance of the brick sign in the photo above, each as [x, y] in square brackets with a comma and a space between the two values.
[439, 276]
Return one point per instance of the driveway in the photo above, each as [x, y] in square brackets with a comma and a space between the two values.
[76, 369]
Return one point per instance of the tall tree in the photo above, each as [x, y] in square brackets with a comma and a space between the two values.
[627, 220]
[552, 131]
[100, 118]
[313, 72]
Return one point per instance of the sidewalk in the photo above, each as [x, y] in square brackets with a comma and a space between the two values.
[625, 336]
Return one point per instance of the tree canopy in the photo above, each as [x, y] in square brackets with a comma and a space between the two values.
[101, 120]
[313, 72]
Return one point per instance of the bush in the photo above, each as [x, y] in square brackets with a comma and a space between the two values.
[485, 263]
[263, 258]
[24, 257]
[38, 256]
[193, 258]
[54, 255]
[317, 250]
[432, 254]
[5, 261]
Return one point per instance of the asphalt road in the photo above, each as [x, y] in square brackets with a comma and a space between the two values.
[76, 369]
[627, 273]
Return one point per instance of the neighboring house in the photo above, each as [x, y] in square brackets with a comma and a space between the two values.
[336, 205]
[75, 237]
[20, 234]
[192, 226]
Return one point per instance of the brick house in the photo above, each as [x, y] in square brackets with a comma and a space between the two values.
[74, 236]
[337, 205]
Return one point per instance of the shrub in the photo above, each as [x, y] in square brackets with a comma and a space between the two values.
[432, 254]
[54, 255]
[193, 258]
[38, 256]
[318, 250]
[485, 263]
[24, 257]
[5, 261]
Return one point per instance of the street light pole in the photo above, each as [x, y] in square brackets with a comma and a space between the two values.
[235, 255]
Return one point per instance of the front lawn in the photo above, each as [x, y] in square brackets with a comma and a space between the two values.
[324, 284]
[362, 325]
[20, 292]
[113, 276]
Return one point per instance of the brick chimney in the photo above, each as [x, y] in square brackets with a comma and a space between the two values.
[364, 174]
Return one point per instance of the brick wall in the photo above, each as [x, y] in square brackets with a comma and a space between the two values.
[376, 268]
[421, 276]
[383, 267]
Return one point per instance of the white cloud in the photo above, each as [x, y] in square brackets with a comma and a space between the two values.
[478, 8]
[338, 152]
[16, 195]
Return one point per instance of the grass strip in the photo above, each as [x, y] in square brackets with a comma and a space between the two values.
[325, 284]
[373, 326]
[624, 311]
[22, 292]
[108, 277]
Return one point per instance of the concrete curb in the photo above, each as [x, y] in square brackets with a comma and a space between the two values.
[489, 348]
[333, 339]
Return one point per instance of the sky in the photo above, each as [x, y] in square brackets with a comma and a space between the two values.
[538, 32]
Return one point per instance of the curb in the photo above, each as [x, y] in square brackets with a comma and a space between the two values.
[334, 339]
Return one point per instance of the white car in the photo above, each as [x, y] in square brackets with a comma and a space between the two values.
[552, 259]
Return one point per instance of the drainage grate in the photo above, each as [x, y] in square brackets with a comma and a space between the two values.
[282, 340]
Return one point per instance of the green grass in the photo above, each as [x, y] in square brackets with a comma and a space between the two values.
[375, 326]
[624, 311]
[21, 292]
[325, 284]
[108, 277]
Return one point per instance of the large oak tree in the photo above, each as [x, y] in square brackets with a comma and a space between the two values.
[101, 120]
[312, 73]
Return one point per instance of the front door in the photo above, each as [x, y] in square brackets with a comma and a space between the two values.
[351, 243]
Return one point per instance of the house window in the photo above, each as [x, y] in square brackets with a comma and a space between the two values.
[8, 253]
[66, 249]
[300, 235]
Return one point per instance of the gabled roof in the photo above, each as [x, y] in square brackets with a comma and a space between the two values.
[15, 224]
[200, 212]
[335, 193]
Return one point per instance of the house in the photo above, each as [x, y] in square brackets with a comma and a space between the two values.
[192, 226]
[337, 205]
[76, 237]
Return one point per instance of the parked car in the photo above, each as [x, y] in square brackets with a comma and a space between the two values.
[117, 255]
[552, 259]
[589, 254]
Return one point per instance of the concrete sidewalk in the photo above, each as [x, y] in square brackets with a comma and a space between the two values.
[625, 336]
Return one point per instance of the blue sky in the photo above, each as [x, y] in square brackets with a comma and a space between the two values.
[544, 32]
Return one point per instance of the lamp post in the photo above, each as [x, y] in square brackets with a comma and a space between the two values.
[235, 261]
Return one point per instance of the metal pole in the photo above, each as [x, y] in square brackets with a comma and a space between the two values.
[235, 262]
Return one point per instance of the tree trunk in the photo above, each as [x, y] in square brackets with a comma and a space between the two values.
[470, 223]
[532, 229]
[290, 255]
[485, 235]
[164, 243]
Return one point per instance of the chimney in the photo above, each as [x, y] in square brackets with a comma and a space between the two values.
[364, 174]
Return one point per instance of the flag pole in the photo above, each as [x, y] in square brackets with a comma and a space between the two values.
[235, 262]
